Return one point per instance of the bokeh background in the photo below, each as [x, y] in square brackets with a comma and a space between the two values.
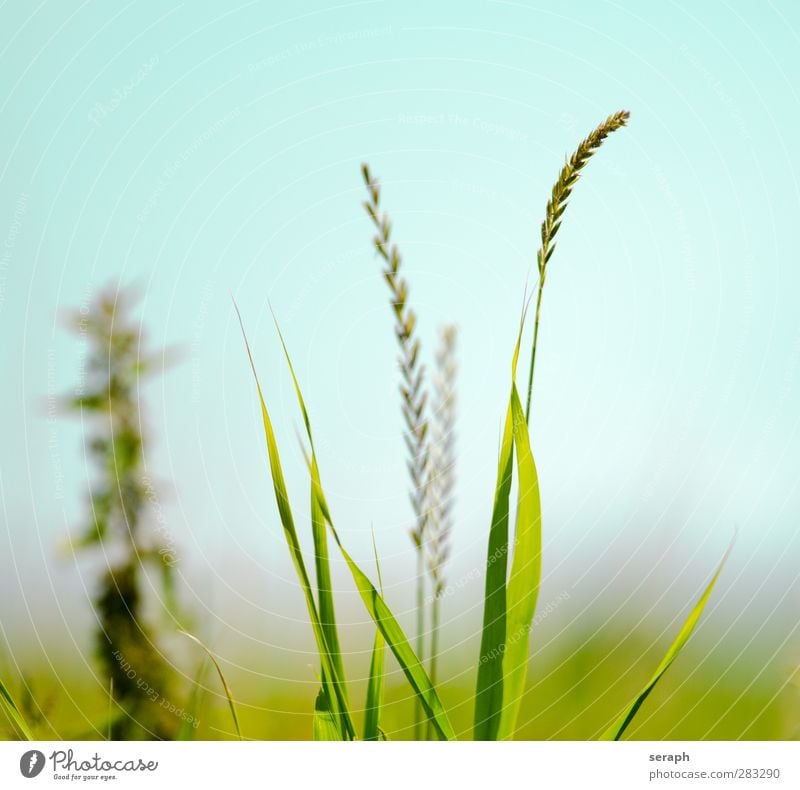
[210, 152]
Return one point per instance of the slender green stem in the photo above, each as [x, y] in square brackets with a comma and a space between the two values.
[533, 350]
[418, 714]
[435, 620]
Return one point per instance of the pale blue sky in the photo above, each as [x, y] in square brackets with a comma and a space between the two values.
[210, 150]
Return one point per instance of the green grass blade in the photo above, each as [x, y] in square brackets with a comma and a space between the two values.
[509, 606]
[225, 686]
[615, 731]
[14, 714]
[318, 507]
[327, 619]
[325, 720]
[376, 606]
[372, 714]
[489, 689]
[525, 576]
[329, 671]
[325, 705]
[399, 645]
[327, 615]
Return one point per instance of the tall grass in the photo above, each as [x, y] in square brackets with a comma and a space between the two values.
[514, 558]
[514, 550]
[414, 397]
[333, 703]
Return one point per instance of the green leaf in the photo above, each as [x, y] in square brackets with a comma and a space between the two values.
[615, 731]
[224, 682]
[372, 709]
[14, 714]
[376, 606]
[489, 690]
[329, 672]
[325, 726]
[403, 652]
[327, 614]
[525, 576]
[327, 620]
[509, 606]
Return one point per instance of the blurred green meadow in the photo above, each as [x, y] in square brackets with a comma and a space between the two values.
[576, 688]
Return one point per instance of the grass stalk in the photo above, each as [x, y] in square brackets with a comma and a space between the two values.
[414, 399]
[533, 347]
[616, 730]
[556, 207]
[441, 481]
[332, 681]
[226, 688]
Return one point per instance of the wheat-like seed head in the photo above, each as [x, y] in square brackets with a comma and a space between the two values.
[412, 388]
[442, 457]
[567, 179]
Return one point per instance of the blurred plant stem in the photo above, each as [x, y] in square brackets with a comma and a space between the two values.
[108, 401]
[441, 482]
